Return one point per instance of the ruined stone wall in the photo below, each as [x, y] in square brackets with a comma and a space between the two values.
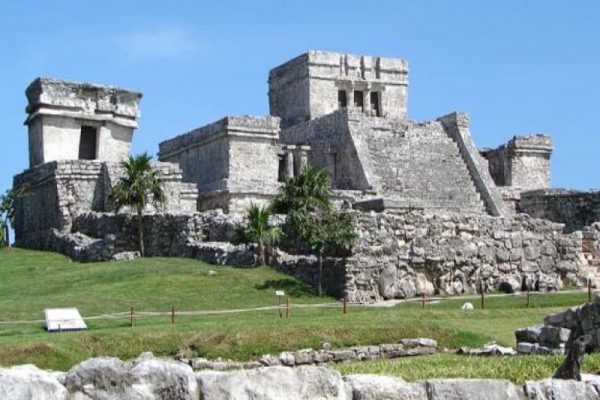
[50, 195]
[403, 255]
[574, 208]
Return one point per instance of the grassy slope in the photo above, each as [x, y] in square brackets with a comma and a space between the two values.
[31, 281]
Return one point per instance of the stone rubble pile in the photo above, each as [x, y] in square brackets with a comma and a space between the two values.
[150, 378]
[404, 348]
[487, 350]
[561, 328]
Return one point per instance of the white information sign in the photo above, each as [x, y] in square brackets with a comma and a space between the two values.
[279, 293]
[63, 319]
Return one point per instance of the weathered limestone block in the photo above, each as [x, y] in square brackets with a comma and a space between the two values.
[560, 389]
[553, 336]
[376, 387]
[482, 389]
[145, 378]
[528, 335]
[272, 383]
[27, 382]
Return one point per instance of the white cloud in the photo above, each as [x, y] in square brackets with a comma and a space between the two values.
[173, 43]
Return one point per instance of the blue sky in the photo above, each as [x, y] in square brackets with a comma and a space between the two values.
[517, 67]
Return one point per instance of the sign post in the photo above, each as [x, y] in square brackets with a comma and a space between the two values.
[279, 294]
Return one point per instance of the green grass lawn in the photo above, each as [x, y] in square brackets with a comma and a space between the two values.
[31, 281]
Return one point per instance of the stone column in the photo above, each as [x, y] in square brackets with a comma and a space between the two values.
[301, 158]
[367, 101]
[350, 97]
[289, 164]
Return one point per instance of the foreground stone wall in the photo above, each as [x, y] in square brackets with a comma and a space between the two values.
[148, 378]
[575, 209]
[400, 255]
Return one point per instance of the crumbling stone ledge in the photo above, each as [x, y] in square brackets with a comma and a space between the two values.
[326, 355]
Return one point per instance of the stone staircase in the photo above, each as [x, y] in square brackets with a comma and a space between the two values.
[422, 167]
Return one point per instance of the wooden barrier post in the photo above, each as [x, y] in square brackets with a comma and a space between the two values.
[345, 305]
[173, 315]
[589, 290]
[131, 312]
[528, 304]
[279, 306]
[482, 294]
[287, 307]
[423, 300]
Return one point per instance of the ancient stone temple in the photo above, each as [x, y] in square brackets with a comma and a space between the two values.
[434, 213]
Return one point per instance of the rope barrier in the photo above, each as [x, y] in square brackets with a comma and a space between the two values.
[149, 314]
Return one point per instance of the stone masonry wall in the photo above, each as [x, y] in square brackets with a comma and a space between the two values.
[403, 255]
[573, 208]
[52, 195]
[149, 377]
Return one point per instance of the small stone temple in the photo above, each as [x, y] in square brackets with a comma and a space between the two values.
[342, 112]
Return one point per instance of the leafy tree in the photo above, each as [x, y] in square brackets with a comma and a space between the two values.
[312, 219]
[259, 231]
[139, 185]
[7, 215]
[3, 234]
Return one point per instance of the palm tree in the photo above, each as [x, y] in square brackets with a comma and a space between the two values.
[139, 185]
[259, 231]
[310, 189]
